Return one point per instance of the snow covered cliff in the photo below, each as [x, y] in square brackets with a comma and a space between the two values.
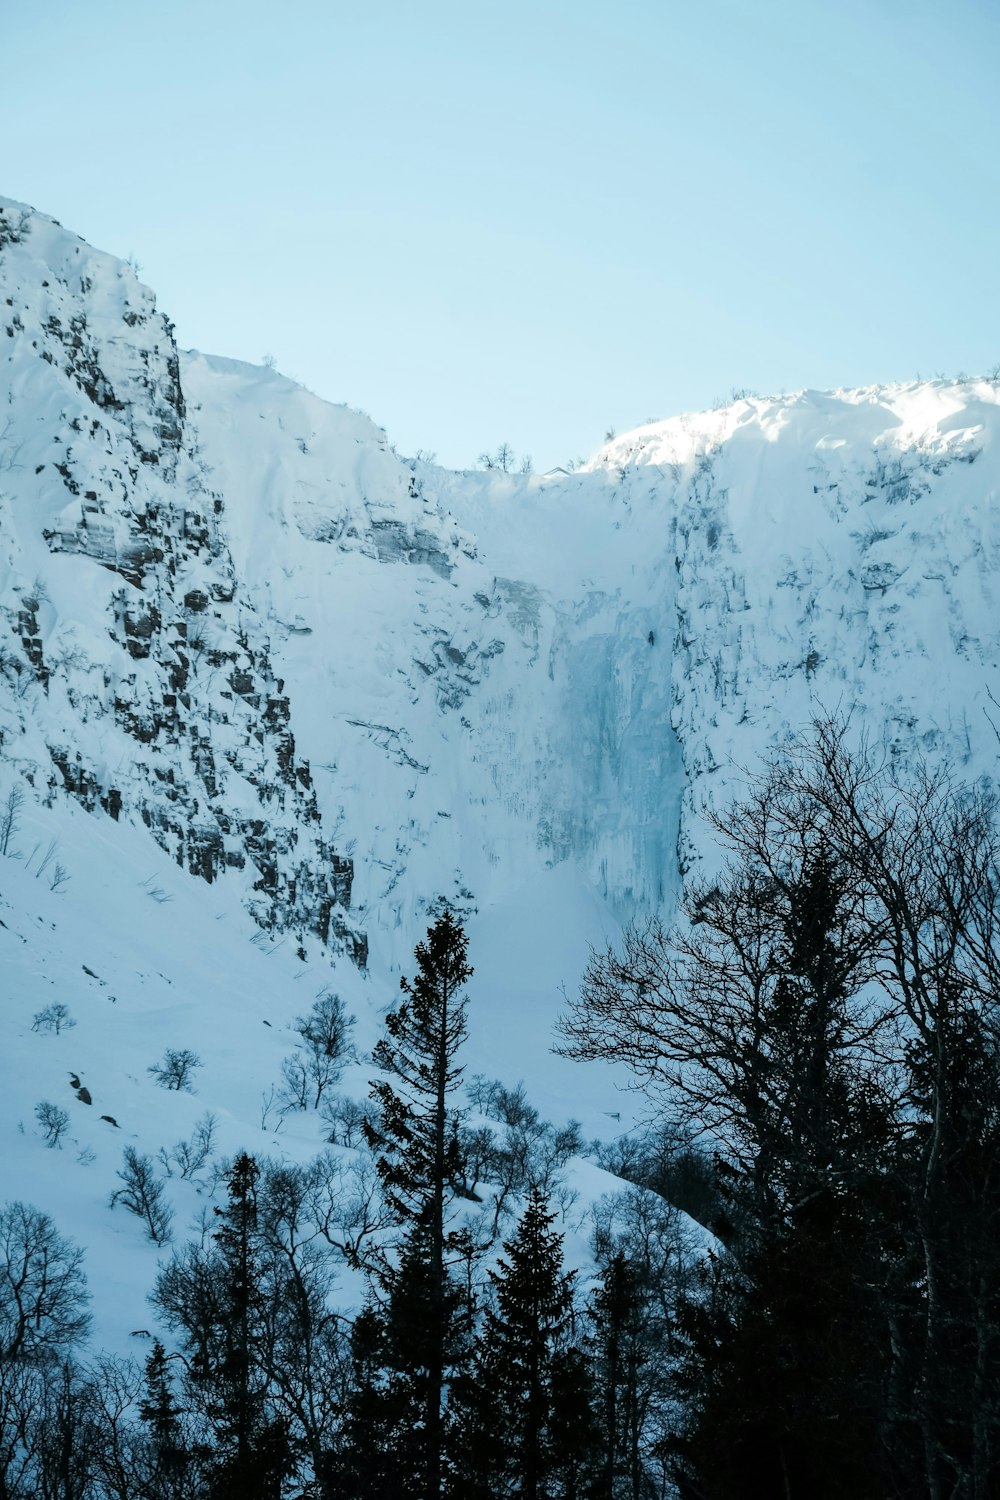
[352, 681]
[271, 689]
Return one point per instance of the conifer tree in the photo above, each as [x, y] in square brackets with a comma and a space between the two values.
[217, 1298]
[169, 1463]
[619, 1355]
[233, 1375]
[533, 1415]
[419, 1162]
[369, 1465]
[416, 1135]
[787, 1371]
[254, 1447]
[855, 909]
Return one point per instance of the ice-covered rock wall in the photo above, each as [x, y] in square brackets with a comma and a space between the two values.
[835, 553]
[358, 683]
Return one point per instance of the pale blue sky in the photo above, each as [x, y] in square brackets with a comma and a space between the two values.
[530, 221]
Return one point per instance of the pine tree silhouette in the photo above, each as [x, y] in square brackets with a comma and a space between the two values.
[787, 1351]
[529, 1412]
[620, 1353]
[370, 1464]
[253, 1456]
[170, 1463]
[419, 1162]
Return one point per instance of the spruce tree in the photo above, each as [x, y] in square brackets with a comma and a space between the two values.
[620, 1353]
[533, 1400]
[370, 1465]
[217, 1298]
[254, 1457]
[786, 1365]
[416, 1135]
[169, 1463]
[419, 1162]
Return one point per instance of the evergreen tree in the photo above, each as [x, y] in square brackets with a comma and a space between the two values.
[218, 1299]
[254, 1457]
[619, 1355]
[419, 1162]
[830, 1013]
[416, 1136]
[168, 1461]
[573, 1439]
[530, 1415]
[787, 1366]
[787, 1371]
[369, 1465]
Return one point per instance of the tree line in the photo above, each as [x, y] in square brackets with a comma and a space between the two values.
[818, 1036]
[828, 1017]
[470, 1370]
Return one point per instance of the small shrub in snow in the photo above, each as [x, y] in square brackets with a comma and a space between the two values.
[344, 1118]
[507, 1105]
[142, 1194]
[10, 818]
[53, 1120]
[176, 1069]
[294, 1091]
[528, 1153]
[306, 1075]
[53, 1018]
[189, 1157]
[272, 1109]
[327, 1026]
[667, 1160]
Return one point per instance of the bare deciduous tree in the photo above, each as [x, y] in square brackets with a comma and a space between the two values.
[54, 1018]
[306, 1075]
[176, 1069]
[141, 1193]
[54, 1122]
[830, 1013]
[10, 818]
[503, 459]
[327, 1027]
[345, 1118]
[43, 1291]
[189, 1157]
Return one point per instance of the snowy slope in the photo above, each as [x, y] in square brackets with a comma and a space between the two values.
[272, 690]
[467, 658]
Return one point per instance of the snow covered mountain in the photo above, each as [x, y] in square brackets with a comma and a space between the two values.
[270, 691]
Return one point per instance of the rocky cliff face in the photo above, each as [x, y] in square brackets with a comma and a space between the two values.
[353, 682]
[137, 673]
